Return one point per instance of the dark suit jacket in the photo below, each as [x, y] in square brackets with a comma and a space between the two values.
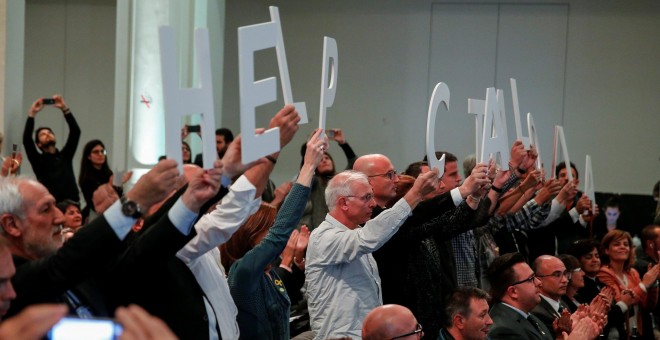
[91, 251]
[511, 325]
[164, 285]
[416, 265]
[547, 314]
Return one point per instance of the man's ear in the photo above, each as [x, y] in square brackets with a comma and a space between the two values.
[512, 291]
[9, 224]
[459, 321]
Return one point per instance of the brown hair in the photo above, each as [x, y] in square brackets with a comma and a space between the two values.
[614, 235]
[245, 237]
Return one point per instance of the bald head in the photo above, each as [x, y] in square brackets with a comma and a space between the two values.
[381, 174]
[388, 321]
[553, 275]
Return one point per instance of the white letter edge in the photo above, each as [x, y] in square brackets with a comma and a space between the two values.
[494, 139]
[181, 102]
[440, 95]
[330, 68]
[255, 93]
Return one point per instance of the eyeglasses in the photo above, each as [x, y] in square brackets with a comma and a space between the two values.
[99, 152]
[418, 330]
[529, 279]
[365, 198]
[558, 274]
[390, 175]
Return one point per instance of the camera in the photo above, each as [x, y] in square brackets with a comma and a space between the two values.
[91, 329]
[48, 101]
[194, 128]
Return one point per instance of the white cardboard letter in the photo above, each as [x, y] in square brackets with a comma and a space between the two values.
[477, 107]
[534, 139]
[495, 140]
[440, 95]
[330, 68]
[255, 93]
[181, 102]
[559, 138]
[284, 68]
[516, 115]
[589, 188]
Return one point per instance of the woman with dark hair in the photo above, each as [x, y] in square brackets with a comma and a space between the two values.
[94, 171]
[260, 296]
[186, 154]
[72, 217]
[618, 256]
[576, 282]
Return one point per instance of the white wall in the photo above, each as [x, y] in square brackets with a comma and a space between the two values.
[591, 66]
[70, 50]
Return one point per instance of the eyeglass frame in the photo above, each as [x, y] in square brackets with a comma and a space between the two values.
[103, 152]
[418, 329]
[390, 175]
[365, 198]
[529, 279]
[558, 274]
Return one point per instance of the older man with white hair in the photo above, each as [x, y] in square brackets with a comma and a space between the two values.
[341, 274]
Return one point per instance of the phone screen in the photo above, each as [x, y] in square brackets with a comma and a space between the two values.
[14, 149]
[48, 101]
[194, 128]
[91, 329]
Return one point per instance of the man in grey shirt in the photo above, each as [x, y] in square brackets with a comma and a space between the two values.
[342, 278]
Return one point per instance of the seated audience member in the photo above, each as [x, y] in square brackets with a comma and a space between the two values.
[316, 209]
[53, 167]
[515, 292]
[574, 283]
[261, 299]
[617, 272]
[94, 172]
[72, 217]
[586, 251]
[200, 305]
[391, 322]
[466, 315]
[554, 279]
[46, 270]
[342, 278]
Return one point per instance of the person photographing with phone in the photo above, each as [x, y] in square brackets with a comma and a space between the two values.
[53, 167]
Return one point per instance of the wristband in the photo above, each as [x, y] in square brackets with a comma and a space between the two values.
[496, 189]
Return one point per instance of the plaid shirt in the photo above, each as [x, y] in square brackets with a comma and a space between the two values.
[469, 265]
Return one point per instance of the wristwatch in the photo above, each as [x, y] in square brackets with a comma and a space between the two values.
[130, 208]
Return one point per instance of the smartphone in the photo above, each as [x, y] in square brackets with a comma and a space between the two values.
[48, 101]
[330, 133]
[91, 329]
[194, 128]
[14, 150]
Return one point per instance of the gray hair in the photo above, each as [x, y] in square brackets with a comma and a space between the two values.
[11, 200]
[342, 185]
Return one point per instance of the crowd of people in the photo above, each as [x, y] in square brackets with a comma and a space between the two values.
[500, 252]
